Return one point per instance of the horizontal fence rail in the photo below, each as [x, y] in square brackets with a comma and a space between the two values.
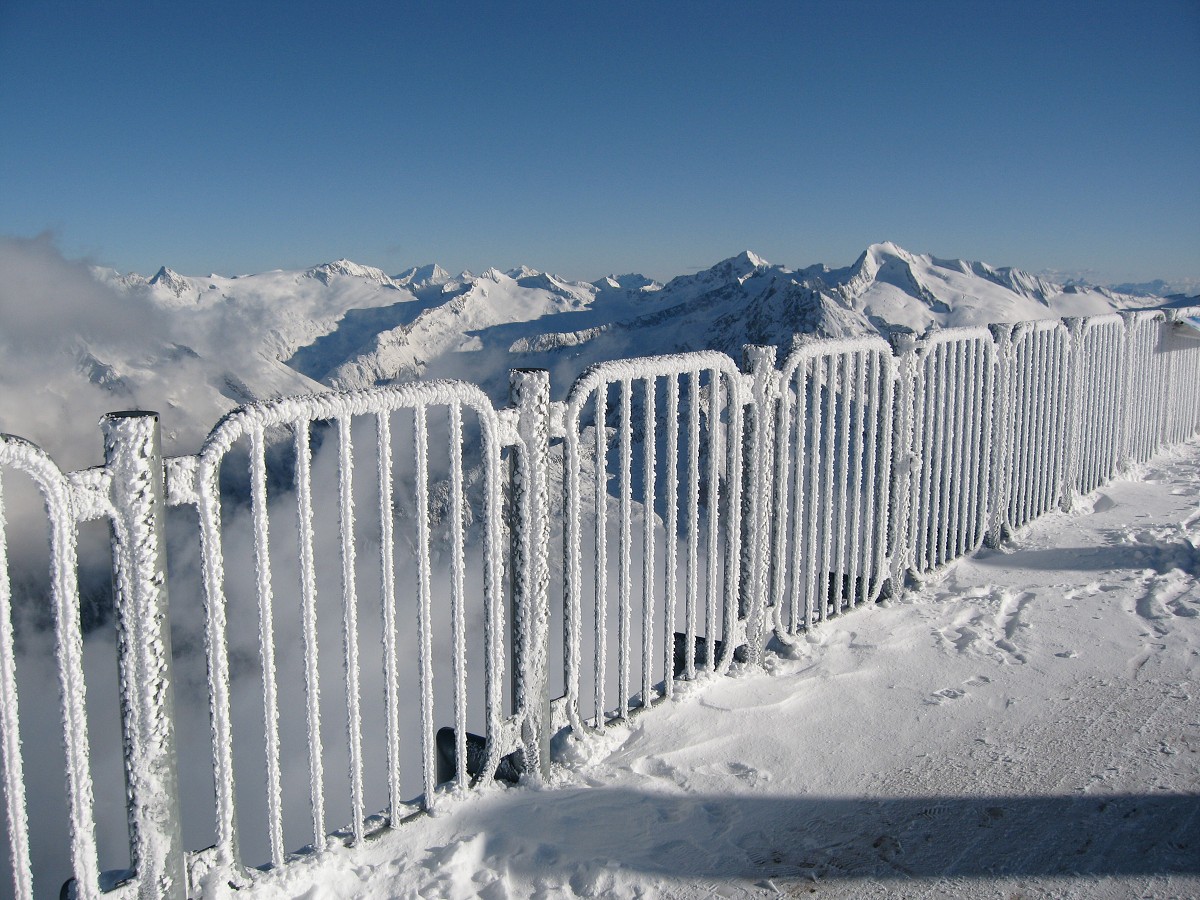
[350, 607]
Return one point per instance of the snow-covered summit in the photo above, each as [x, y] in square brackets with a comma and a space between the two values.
[170, 280]
[422, 276]
[350, 325]
[522, 271]
[349, 269]
[631, 282]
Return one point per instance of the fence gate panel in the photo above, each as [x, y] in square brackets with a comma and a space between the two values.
[1038, 425]
[1183, 347]
[652, 470]
[832, 483]
[951, 486]
[21, 458]
[1145, 387]
[343, 582]
[1101, 360]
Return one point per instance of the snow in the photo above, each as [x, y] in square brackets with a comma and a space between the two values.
[1027, 725]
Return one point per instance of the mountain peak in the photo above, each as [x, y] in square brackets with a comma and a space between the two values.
[522, 271]
[423, 276]
[747, 258]
[171, 280]
[633, 282]
[348, 268]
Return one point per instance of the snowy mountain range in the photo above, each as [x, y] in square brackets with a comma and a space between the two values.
[205, 344]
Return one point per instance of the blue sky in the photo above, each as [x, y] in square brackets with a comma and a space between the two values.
[613, 137]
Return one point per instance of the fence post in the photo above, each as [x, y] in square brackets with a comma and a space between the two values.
[759, 363]
[133, 456]
[529, 390]
[1002, 413]
[1070, 487]
[905, 462]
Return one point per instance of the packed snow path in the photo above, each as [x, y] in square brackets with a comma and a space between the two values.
[1027, 726]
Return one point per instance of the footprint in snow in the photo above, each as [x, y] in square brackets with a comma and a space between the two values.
[945, 694]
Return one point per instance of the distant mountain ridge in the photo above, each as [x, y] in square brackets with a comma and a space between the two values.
[345, 325]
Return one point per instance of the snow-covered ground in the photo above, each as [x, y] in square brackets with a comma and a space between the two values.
[1026, 726]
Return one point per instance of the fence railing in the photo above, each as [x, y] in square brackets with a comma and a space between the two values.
[704, 507]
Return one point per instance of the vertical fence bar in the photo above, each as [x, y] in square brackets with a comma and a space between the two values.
[530, 393]
[693, 555]
[350, 623]
[714, 496]
[228, 854]
[133, 454]
[266, 640]
[424, 602]
[923, 510]
[17, 816]
[601, 579]
[759, 363]
[458, 623]
[842, 401]
[648, 516]
[860, 402]
[308, 615]
[387, 611]
[625, 529]
[904, 462]
[732, 442]
[1002, 419]
[672, 551]
[831, 389]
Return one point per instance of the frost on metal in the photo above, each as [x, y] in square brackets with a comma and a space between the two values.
[832, 481]
[953, 391]
[612, 448]
[530, 389]
[134, 459]
[19, 455]
[254, 424]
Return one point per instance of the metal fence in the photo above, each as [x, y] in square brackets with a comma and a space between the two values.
[704, 508]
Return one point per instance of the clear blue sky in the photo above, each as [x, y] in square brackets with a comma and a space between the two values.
[603, 137]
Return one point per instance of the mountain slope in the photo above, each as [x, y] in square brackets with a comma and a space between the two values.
[196, 346]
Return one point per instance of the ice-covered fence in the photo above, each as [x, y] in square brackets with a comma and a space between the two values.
[687, 412]
[1099, 392]
[1146, 385]
[1183, 375]
[1034, 414]
[948, 385]
[703, 506]
[128, 492]
[413, 409]
[832, 480]
[19, 456]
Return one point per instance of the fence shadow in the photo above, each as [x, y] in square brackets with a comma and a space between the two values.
[739, 837]
[1162, 557]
